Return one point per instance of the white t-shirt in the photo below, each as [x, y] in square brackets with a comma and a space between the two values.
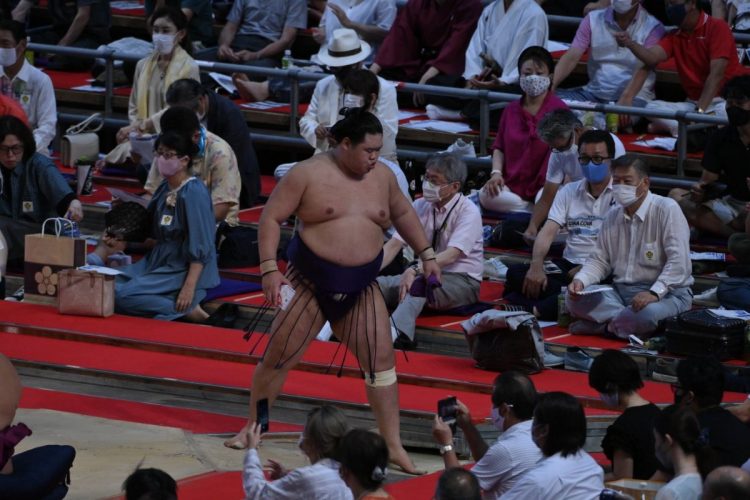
[576, 476]
[565, 164]
[576, 210]
[684, 487]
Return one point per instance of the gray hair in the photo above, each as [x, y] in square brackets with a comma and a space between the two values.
[632, 160]
[557, 124]
[449, 165]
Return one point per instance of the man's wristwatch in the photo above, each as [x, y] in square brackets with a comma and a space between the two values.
[446, 448]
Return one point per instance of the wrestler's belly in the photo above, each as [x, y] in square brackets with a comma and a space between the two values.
[347, 241]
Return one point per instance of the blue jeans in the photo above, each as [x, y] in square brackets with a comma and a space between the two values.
[734, 293]
[38, 474]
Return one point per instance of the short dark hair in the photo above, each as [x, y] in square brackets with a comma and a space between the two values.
[537, 54]
[154, 484]
[683, 426]
[178, 18]
[185, 92]
[18, 30]
[631, 160]
[355, 125]
[612, 370]
[325, 427]
[457, 483]
[10, 125]
[597, 136]
[364, 454]
[737, 88]
[362, 82]
[704, 376]
[180, 119]
[566, 423]
[181, 142]
[516, 389]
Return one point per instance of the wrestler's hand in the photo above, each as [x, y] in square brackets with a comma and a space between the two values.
[430, 267]
[642, 299]
[272, 287]
[253, 436]
[407, 279]
[441, 432]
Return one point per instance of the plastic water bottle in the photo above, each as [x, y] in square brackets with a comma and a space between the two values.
[563, 317]
[286, 61]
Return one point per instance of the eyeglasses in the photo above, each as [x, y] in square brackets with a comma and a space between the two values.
[596, 160]
[167, 155]
[15, 150]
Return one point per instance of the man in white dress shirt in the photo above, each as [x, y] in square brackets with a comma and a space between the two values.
[645, 245]
[27, 85]
[453, 224]
[328, 97]
[499, 466]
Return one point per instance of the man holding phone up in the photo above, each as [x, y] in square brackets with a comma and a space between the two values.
[498, 466]
[343, 199]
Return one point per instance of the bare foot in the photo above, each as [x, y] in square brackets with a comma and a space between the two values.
[402, 461]
[248, 90]
[197, 315]
[238, 442]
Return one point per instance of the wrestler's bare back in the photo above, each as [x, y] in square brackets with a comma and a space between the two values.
[342, 217]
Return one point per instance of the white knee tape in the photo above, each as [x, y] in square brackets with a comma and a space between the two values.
[381, 379]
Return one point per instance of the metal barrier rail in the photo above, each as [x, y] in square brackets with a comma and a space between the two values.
[403, 154]
[484, 96]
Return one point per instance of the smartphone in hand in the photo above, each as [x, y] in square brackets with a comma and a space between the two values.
[261, 414]
[447, 411]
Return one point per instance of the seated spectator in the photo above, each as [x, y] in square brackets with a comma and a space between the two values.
[150, 484]
[727, 483]
[326, 426]
[84, 24]
[501, 465]
[29, 86]
[561, 130]
[644, 243]
[566, 470]
[629, 441]
[364, 464]
[455, 226]
[704, 51]
[734, 292]
[579, 208]
[36, 473]
[615, 74]
[457, 484]
[170, 62]
[725, 159]
[735, 12]
[126, 222]
[198, 14]
[505, 29]
[214, 163]
[428, 38]
[327, 99]
[681, 448]
[258, 32]
[700, 386]
[519, 156]
[654, 7]
[171, 280]
[223, 118]
[31, 191]
[371, 19]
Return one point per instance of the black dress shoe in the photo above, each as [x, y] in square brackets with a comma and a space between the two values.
[404, 343]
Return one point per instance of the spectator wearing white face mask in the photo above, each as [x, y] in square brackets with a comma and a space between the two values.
[454, 225]
[154, 74]
[498, 466]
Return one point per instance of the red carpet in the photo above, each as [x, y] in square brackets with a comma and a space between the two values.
[66, 80]
[196, 421]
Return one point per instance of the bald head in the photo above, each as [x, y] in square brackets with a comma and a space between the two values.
[727, 483]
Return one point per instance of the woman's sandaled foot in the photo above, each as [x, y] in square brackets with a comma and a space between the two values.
[249, 90]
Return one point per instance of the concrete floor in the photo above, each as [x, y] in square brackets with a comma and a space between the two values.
[109, 450]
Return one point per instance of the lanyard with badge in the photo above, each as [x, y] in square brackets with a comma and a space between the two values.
[438, 230]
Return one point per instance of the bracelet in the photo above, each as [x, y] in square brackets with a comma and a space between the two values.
[268, 266]
[427, 254]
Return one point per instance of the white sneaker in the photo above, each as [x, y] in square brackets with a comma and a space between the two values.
[709, 298]
[494, 269]
[440, 113]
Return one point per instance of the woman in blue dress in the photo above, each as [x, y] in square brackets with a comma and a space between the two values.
[172, 279]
